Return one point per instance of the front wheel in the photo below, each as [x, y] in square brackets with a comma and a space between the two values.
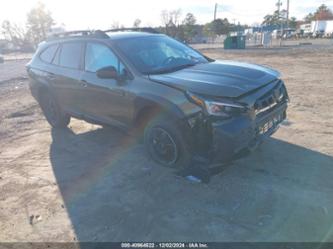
[52, 111]
[165, 143]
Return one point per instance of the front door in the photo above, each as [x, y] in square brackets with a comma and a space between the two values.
[106, 100]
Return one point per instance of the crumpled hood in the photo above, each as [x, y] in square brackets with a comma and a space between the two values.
[219, 78]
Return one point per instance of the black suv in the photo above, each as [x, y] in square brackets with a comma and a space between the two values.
[182, 103]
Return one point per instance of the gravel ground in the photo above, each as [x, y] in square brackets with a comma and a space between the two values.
[12, 69]
[92, 184]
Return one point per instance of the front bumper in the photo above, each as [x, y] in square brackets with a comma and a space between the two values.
[243, 134]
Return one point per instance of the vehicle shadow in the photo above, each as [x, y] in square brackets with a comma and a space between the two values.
[112, 192]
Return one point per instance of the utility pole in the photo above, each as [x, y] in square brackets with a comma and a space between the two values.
[215, 10]
[278, 4]
[287, 14]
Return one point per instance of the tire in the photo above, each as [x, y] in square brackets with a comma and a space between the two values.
[175, 153]
[56, 117]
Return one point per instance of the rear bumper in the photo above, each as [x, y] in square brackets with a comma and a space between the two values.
[232, 139]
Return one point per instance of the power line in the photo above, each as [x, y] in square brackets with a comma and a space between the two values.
[245, 14]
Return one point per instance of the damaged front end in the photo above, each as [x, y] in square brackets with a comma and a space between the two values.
[227, 129]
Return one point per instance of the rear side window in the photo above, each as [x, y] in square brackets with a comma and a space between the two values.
[48, 54]
[70, 55]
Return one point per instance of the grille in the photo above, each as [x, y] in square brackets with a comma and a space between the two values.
[272, 98]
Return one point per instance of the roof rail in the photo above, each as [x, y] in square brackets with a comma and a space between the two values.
[147, 30]
[78, 34]
[96, 33]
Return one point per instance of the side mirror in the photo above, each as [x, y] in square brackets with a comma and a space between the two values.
[107, 73]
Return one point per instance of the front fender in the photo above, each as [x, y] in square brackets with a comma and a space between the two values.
[144, 101]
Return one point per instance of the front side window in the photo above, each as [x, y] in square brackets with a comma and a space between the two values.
[70, 55]
[48, 54]
[99, 56]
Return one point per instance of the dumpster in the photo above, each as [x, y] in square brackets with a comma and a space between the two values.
[235, 42]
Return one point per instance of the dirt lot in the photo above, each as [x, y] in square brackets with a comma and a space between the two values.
[92, 184]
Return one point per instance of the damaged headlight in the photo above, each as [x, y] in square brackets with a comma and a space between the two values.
[222, 109]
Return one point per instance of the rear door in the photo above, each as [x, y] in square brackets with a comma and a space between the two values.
[67, 83]
[105, 99]
[40, 68]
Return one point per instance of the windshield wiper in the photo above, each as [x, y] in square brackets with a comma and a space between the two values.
[172, 69]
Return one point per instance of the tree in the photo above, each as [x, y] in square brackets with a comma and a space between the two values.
[137, 23]
[293, 23]
[171, 22]
[217, 27]
[275, 19]
[309, 17]
[208, 30]
[13, 33]
[39, 23]
[189, 27]
[115, 25]
[220, 26]
[323, 13]
[190, 19]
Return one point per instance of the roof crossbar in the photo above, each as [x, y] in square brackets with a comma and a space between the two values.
[147, 30]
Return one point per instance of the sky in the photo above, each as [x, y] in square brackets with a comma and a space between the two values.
[101, 14]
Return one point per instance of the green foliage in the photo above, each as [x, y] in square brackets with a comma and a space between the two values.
[218, 27]
[208, 30]
[309, 17]
[271, 19]
[293, 23]
[275, 19]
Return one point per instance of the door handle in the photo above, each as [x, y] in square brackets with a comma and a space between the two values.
[119, 92]
[51, 76]
[83, 83]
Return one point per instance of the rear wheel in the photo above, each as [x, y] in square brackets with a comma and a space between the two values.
[165, 143]
[56, 117]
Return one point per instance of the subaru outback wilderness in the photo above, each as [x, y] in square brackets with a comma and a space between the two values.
[179, 102]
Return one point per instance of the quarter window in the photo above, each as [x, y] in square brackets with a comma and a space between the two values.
[48, 54]
[70, 55]
[99, 56]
